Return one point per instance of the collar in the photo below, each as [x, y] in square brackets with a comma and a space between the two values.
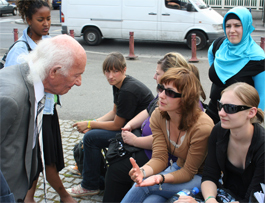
[38, 88]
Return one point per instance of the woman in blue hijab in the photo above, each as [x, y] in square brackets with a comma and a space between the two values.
[238, 59]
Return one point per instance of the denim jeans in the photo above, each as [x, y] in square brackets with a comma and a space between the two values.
[94, 140]
[153, 194]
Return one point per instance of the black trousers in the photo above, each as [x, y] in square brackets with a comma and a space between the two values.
[117, 179]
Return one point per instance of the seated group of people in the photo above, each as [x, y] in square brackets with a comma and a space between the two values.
[181, 146]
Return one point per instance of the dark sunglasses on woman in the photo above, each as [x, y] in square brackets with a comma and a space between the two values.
[231, 108]
[170, 93]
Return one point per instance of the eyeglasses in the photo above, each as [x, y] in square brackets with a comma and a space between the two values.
[231, 108]
[170, 93]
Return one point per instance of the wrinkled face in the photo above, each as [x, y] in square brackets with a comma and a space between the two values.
[115, 77]
[167, 103]
[159, 73]
[40, 22]
[59, 83]
[234, 30]
[236, 120]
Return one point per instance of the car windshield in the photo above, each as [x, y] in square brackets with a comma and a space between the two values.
[200, 4]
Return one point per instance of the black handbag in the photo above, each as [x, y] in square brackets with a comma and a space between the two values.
[118, 149]
[78, 152]
[79, 155]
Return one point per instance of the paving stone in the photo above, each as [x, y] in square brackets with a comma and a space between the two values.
[37, 199]
[70, 136]
[50, 195]
[67, 185]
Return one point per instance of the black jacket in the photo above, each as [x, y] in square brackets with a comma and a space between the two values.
[216, 162]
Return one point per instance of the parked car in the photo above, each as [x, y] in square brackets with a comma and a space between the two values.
[56, 3]
[6, 8]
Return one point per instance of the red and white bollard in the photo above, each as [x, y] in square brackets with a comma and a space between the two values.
[262, 43]
[15, 34]
[193, 49]
[72, 34]
[131, 47]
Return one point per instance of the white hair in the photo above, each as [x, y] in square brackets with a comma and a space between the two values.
[47, 54]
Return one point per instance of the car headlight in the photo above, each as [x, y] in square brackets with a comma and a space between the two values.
[218, 26]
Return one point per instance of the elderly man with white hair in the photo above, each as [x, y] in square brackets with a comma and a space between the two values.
[54, 66]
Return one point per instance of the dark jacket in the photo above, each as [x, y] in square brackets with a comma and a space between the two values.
[216, 162]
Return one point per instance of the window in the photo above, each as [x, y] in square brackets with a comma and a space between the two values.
[177, 4]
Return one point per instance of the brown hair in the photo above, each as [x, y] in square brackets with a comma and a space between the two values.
[189, 87]
[114, 61]
[249, 96]
[27, 8]
[195, 70]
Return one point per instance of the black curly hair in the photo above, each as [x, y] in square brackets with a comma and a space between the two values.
[27, 8]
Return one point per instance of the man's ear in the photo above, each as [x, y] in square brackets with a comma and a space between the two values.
[252, 112]
[54, 71]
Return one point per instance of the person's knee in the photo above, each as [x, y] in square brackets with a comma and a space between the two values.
[88, 137]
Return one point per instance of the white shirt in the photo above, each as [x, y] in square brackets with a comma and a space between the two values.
[39, 94]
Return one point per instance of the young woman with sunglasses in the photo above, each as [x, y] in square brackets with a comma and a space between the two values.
[238, 59]
[236, 147]
[180, 128]
[117, 180]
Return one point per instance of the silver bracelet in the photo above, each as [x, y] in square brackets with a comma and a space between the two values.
[143, 171]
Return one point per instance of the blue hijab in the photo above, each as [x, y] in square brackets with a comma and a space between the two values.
[231, 58]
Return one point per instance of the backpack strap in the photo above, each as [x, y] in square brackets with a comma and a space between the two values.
[2, 63]
[217, 43]
[29, 49]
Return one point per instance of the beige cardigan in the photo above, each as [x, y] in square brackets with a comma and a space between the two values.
[192, 152]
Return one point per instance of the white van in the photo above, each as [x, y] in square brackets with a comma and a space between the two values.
[158, 20]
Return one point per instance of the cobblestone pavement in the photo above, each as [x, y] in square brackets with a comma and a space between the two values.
[70, 136]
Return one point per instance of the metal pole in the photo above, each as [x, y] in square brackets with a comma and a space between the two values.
[72, 33]
[193, 49]
[131, 47]
[15, 34]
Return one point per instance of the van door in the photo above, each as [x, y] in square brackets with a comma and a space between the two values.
[104, 15]
[140, 17]
[174, 20]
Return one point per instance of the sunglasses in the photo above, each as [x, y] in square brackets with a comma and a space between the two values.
[170, 93]
[231, 108]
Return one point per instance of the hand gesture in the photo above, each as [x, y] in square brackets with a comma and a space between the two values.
[135, 173]
[81, 126]
[150, 181]
[128, 137]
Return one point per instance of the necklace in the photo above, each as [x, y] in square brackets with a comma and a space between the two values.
[172, 154]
